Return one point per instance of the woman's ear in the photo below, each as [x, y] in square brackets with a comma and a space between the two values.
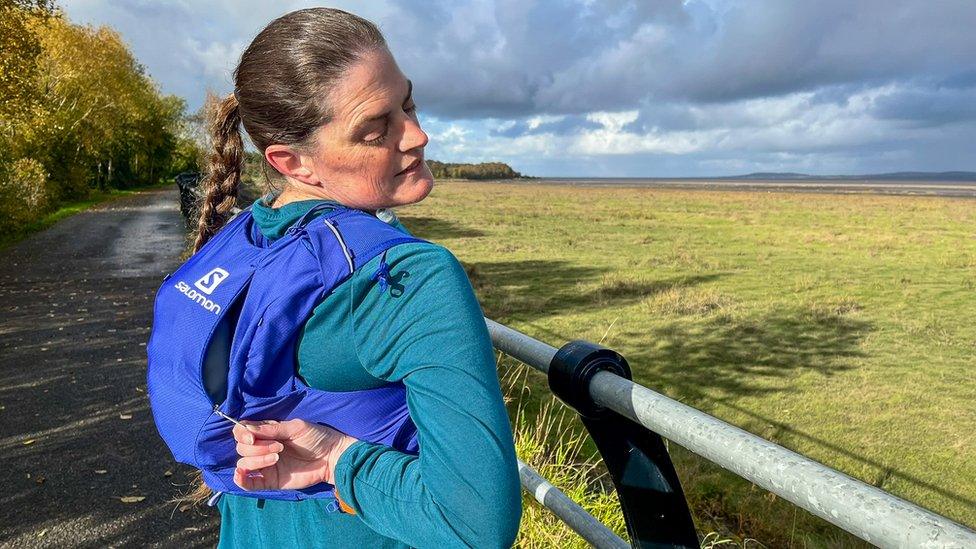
[292, 164]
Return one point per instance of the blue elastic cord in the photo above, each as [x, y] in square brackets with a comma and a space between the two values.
[382, 273]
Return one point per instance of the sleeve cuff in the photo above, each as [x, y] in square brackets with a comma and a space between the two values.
[345, 473]
[343, 506]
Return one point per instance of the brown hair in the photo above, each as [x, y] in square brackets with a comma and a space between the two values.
[279, 90]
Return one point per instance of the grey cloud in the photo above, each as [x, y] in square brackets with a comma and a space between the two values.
[496, 60]
[928, 107]
[568, 125]
[511, 59]
[686, 66]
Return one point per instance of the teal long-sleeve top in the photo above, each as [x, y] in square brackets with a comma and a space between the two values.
[426, 330]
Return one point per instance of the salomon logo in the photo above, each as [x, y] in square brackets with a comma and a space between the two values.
[201, 299]
[208, 282]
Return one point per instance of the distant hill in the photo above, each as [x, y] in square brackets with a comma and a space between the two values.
[894, 176]
[484, 170]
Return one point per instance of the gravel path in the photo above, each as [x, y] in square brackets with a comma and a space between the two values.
[76, 434]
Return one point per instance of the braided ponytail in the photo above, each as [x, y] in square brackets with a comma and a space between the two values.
[225, 166]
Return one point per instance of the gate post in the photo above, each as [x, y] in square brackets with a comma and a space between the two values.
[650, 494]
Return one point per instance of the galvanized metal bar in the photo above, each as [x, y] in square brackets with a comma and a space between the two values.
[863, 510]
[583, 523]
[518, 345]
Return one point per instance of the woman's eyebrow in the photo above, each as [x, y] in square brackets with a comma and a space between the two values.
[367, 120]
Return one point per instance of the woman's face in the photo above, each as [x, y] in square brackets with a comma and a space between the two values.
[371, 154]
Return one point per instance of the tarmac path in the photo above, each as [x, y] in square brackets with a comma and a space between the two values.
[76, 434]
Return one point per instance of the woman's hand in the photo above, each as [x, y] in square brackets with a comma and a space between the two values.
[287, 455]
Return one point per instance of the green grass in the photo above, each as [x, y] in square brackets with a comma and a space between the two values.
[66, 209]
[553, 442]
[837, 326]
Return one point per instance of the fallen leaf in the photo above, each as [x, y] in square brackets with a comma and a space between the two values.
[29, 441]
[100, 471]
[168, 473]
[40, 480]
[125, 416]
[132, 499]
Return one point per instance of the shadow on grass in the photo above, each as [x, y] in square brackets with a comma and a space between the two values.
[744, 356]
[719, 358]
[531, 289]
[435, 229]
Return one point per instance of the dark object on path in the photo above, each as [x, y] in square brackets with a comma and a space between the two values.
[189, 185]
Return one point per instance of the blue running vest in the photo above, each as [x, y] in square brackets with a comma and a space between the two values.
[258, 295]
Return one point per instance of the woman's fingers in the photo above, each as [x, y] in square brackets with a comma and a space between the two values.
[243, 434]
[246, 431]
[260, 448]
[278, 430]
[250, 480]
[253, 463]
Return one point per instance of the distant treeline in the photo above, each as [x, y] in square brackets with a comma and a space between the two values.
[254, 178]
[78, 113]
[485, 170]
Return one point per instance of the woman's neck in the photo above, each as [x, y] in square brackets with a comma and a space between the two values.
[291, 194]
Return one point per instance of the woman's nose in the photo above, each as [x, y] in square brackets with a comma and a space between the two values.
[413, 136]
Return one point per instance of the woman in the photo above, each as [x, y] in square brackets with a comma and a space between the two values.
[322, 98]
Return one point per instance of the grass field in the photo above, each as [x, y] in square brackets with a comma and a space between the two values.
[838, 326]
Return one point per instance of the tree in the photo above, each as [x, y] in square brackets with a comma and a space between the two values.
[485, 170]
[79, 111]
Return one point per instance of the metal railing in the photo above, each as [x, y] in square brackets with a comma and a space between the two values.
[626, 421]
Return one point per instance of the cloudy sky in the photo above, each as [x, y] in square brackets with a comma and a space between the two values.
[621, 88]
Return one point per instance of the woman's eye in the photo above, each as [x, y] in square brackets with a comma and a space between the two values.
[381, 136]
[376, 140]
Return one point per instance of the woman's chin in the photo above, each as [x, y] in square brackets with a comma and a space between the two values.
[419, 185]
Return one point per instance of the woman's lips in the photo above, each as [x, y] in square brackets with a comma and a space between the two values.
[416, 163]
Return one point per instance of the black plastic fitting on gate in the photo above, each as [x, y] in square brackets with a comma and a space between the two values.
[650, 494]
[572, 368]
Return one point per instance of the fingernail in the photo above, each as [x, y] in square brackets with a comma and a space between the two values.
[274, 458]
[250, 439]
[278, 447]
[255, 474]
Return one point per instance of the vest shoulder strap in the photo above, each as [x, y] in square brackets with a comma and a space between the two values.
[347, 239]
